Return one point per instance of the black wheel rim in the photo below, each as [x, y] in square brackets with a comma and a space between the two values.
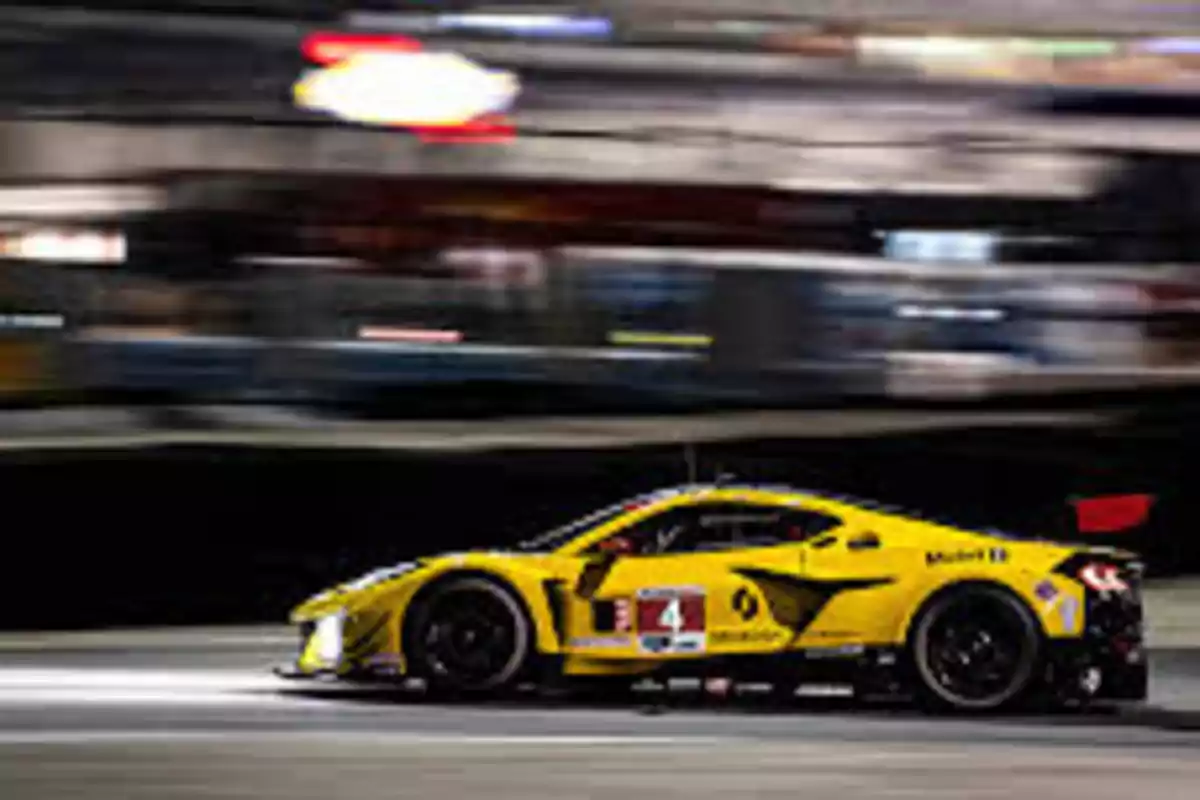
[469, 637]
[977, 649]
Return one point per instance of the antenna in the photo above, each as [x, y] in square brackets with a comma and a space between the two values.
[689, 457]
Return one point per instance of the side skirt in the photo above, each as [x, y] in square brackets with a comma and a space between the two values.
[870, 671]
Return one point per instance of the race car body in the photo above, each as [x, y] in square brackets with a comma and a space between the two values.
[758, 583]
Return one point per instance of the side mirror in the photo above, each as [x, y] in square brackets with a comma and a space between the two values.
[616, 546]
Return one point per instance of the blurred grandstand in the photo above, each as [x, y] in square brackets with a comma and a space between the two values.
[771, 201]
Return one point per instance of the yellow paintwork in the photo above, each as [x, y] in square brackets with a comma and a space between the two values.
[878, 615]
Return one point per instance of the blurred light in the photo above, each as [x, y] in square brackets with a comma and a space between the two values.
[317, 262]
[533, 25]
[814, 44]
[33, 321]
[950, 313]
[940, 246]
[330, 48]
[652, 338]
[493, 129]
[1068, 47]
[921, 48]
[434, 94]
[736, 27]
[982, 57]
[383, 21]
[424, 336]
[1169, 46]
[27, 202]
[81, 247]
[974, 47]
[1164, 298]
[133, 333]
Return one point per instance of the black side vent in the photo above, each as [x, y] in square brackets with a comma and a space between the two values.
[604, 616]
[557, 604]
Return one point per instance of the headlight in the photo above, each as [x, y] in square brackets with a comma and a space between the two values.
[328, 637]
[380, 576]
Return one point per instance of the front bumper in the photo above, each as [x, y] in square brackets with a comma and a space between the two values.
[321, 650]
[292, 671]
[329, 652]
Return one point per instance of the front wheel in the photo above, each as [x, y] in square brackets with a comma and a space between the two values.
[469, 635]
[975, 648]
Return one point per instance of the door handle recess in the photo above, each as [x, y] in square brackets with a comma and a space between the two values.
[864, 541]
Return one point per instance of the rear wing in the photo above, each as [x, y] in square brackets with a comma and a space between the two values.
[1112, 514]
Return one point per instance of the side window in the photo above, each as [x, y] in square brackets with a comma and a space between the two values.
[706, 528]
[660, 532]
[725, 526]
[732, 525]
[802, 525]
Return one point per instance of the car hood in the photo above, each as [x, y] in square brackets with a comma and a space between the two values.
[339, 596]
[336, 597]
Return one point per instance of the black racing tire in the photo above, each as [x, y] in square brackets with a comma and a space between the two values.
[443, 630]
[974, 648]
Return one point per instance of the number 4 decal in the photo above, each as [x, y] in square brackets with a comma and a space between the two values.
[672, 620]
[672, 616]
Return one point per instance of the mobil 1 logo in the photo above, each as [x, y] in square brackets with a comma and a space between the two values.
[981, 555]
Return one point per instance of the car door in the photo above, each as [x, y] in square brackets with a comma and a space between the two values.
[689, 587]
[861, 572]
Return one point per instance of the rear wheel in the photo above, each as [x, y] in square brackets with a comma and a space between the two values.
[975, 648]
[469, 634]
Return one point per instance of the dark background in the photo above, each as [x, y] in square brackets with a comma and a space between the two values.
[222, 535]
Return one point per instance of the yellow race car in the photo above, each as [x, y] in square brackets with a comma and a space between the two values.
[759, 584]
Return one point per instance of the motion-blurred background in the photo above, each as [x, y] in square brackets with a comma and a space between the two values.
[293, 287]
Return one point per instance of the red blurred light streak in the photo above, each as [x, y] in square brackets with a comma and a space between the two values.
[491, 128]
[329, 48]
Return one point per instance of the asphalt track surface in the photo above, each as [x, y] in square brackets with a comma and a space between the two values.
[203, 718]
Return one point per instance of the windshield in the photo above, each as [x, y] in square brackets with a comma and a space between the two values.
[558, 537]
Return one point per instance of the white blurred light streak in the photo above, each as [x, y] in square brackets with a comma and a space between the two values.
[386, 334]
